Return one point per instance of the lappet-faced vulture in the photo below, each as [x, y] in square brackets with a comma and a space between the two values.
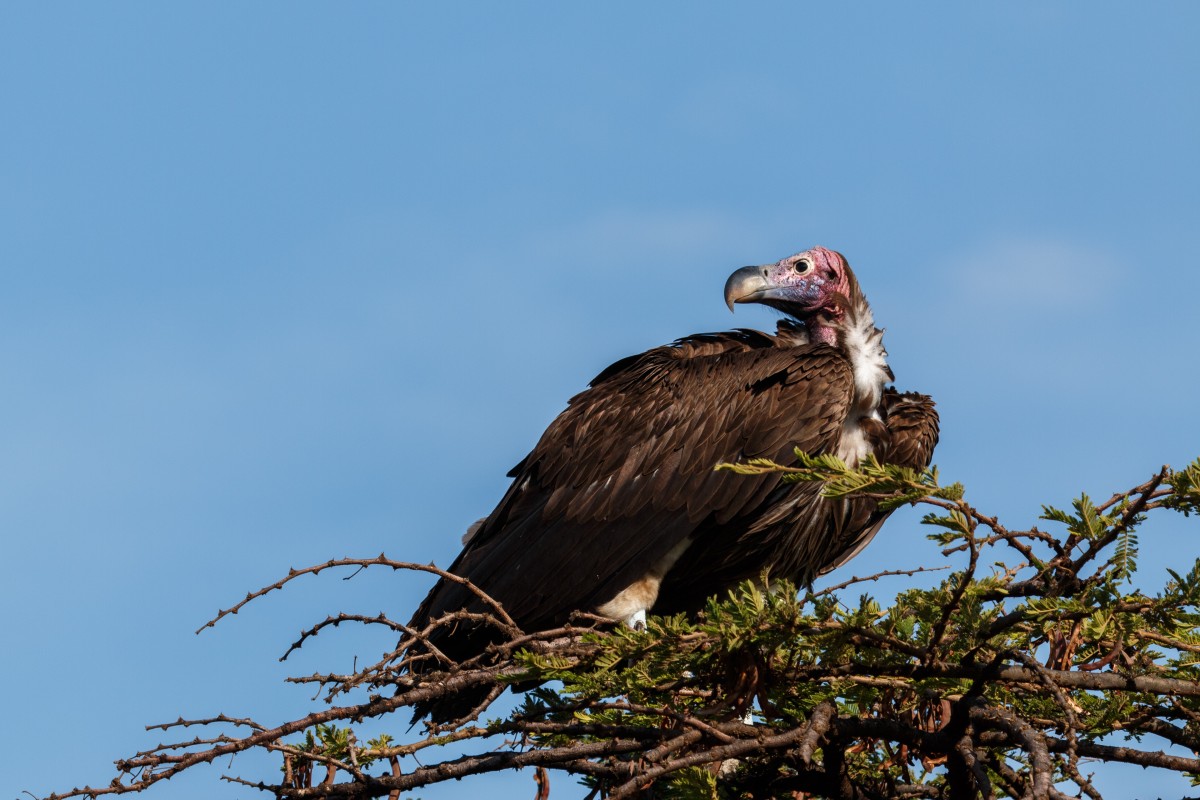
[618, 509]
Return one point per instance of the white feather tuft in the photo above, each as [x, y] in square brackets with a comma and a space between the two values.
[863, 344]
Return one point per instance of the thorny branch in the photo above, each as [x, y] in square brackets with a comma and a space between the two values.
[982, 686]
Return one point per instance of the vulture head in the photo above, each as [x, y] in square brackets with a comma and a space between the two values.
[816, 286]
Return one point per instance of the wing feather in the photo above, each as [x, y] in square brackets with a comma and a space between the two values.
[626, 472]
[912, 426]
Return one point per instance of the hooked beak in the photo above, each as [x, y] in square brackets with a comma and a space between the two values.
[747, 285]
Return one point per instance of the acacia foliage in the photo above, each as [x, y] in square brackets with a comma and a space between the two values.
[1008, 678]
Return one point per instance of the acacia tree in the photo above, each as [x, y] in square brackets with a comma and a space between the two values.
[1005, 679]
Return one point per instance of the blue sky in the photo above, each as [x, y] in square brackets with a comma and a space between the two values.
[280, 283]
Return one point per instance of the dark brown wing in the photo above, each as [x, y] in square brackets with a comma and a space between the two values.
[911, 423]
[625, 473]
[799, 535]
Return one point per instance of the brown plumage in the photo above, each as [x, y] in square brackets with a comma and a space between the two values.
[618, 507]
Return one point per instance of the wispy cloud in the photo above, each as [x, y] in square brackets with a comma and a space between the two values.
[1034, 275]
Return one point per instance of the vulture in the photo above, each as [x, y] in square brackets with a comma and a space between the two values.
[618, 509]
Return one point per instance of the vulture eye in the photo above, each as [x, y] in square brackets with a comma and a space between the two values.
[801, 267]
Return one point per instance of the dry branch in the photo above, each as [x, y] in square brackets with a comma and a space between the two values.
[981, 686]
